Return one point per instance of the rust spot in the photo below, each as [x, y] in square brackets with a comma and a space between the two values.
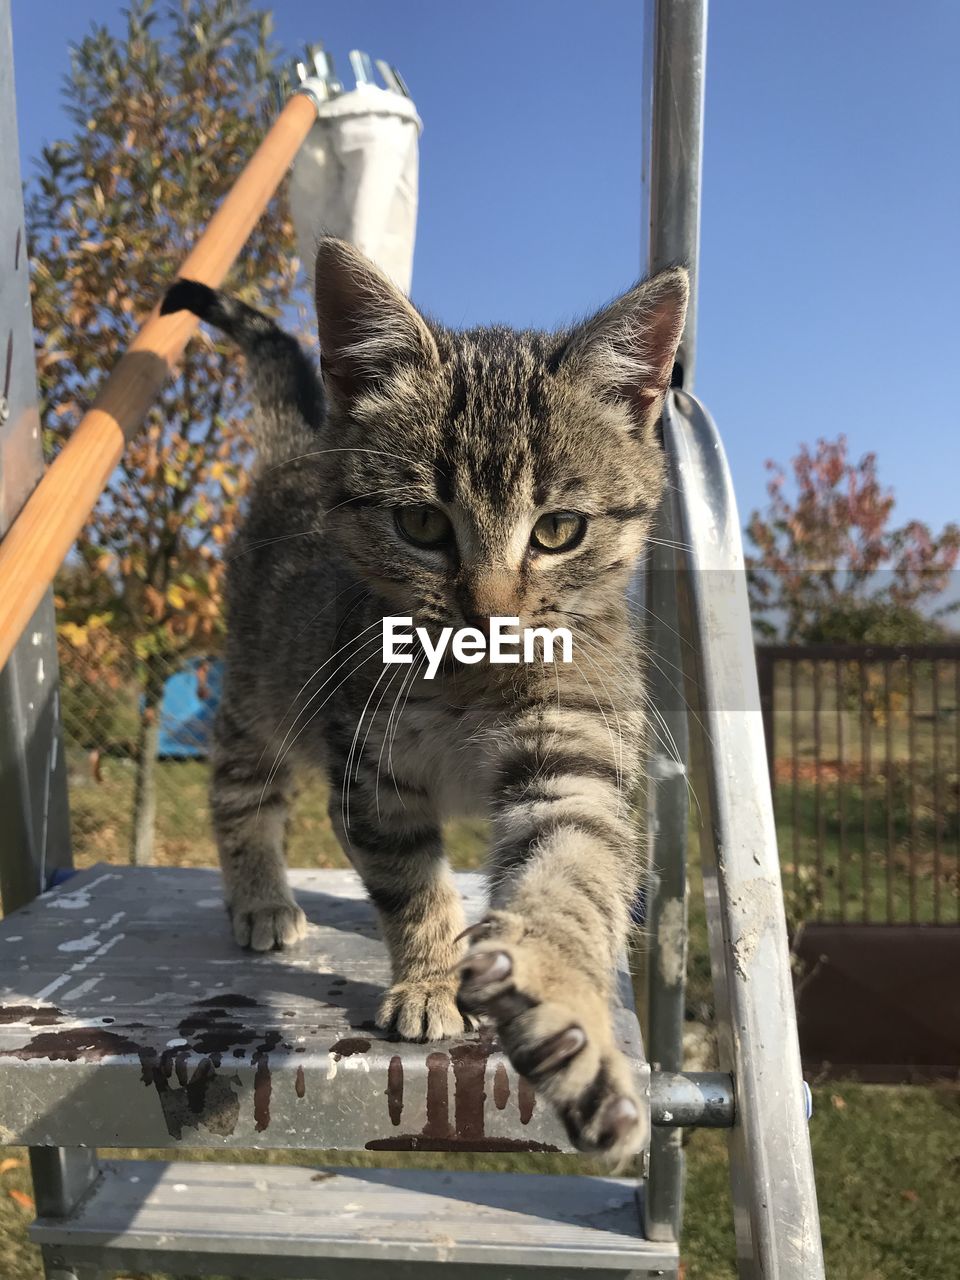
[262, 1089]
[263, 1080]
[395, 1089]
[227, 1002]
[347, 1048]
[82, 1044]
[438, 1106]
[526, 1100]
[207, 1100]
[300, 1084]
[421, 1142]
[501, 1086]
[197, 1086]
[32, 1015]
[213, 1031]
[469, 1069]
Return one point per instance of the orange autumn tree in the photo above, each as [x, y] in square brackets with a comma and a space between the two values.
[830, 565]
[165, 117]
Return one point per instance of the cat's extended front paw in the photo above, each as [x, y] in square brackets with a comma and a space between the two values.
[557, 1032]
[267, 926]
[422, 1009]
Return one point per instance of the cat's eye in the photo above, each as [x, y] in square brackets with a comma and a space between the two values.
[558, 531]
[423, 525]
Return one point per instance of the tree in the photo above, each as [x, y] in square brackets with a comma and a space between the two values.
[165, 118]
[830, 566]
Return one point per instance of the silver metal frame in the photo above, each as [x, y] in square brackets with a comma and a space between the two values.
[697, 590]
[774, 1194]
[33, 782]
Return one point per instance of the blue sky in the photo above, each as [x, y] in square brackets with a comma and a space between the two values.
[830, 283]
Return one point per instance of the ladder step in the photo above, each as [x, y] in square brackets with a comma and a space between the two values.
[277, 1219]
[129, 1018]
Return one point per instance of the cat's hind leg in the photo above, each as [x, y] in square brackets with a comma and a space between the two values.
[250, 810]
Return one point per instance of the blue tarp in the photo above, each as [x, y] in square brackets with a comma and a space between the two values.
[189, 703]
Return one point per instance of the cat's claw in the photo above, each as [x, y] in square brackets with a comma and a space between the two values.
[557, 1033]
[269, 926]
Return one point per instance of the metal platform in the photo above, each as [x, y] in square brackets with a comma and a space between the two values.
[270, 1220]
[128, 1017]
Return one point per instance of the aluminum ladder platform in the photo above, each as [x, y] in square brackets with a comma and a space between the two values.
[129, 1019]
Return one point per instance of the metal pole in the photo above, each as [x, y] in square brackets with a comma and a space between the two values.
[674, 57]
[675, 60]
[667, 818]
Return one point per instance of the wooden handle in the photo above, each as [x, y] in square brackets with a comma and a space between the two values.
[42, 534]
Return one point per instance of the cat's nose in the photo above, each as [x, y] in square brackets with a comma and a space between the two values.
[479, 620]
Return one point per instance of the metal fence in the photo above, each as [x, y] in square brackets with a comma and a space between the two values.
[104, 710]
[863, 746]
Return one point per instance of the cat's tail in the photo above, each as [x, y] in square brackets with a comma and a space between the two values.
[284, 384]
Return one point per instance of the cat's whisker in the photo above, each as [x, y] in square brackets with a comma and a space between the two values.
[672, 546]
[345, 790]
[633, 604]
[269, 542]
[618, 755]
[354, 586]
[653, 659]
[284, 749]
[416, 670]
[310, 719]
[319, 453]
[659, 727]
[613, 708]
[373, 719]
[384, 737]
[393, 724]
[310, 678]
[374, 493]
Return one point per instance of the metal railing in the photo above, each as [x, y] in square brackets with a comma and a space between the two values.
[863, 748]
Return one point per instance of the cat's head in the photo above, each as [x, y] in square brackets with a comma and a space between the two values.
[491, 472]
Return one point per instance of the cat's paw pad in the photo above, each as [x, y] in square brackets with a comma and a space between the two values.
[557, 1034]
[268, 926]
[424, 1009]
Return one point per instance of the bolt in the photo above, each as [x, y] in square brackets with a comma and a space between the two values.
[4, 409]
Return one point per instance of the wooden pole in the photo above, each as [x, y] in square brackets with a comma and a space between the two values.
[43, 533]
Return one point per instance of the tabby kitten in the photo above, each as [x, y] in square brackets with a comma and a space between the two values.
[451, 477]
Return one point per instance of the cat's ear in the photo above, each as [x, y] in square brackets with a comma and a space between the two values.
[367, 327]
[628, 349]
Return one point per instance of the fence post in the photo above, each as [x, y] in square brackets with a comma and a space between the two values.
[765, 674]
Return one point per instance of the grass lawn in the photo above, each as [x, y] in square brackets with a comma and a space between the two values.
[887, 1159]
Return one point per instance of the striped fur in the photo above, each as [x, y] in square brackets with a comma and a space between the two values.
[495, 428]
